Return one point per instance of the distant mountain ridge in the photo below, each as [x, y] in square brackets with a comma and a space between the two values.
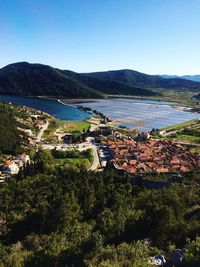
[135, 78]
[195, 78]
[25, 78]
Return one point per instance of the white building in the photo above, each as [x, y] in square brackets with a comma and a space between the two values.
[10, 167]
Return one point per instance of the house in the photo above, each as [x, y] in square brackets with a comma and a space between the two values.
[162, 132]
[105, 130]
[24, 158]
[35, 117]
[10, 167]
[133, 162]
[26, 131]
[144, 136]
[161, 169]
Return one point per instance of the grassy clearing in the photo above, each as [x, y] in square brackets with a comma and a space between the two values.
[74, 159]
[182, 125]
[77, 163]
[189, 138]
[188, 131]
[195, 150]
[76, 126]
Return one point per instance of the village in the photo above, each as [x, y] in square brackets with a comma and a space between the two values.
[31, 126]
[129, 151]
[150, 156]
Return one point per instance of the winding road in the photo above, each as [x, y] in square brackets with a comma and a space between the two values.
[42, 130]
[95, 163]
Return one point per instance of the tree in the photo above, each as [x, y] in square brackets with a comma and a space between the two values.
[133, 255]
[192, 250]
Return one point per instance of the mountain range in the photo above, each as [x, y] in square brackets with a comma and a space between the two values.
[24, 78]
[135, 78]
[195, 78]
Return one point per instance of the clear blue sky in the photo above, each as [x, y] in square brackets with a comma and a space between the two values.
[152, 36]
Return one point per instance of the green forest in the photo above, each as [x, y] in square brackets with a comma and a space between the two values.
[9, 136]
[55, 213]
[24, 78]
[50, 217]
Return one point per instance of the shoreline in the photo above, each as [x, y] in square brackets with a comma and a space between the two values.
[65, 104]
[74, 102]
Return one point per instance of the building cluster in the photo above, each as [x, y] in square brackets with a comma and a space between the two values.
[151, 156]
[12, 165]
[37, 123]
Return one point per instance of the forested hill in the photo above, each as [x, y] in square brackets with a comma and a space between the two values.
[24, 78]
[36, 79]
[138, 79]
[109, 87]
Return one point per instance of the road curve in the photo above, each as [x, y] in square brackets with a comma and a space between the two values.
[44, 128]
[95, 163]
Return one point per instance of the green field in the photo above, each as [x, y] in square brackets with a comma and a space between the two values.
[78, 163]
[178, 126]
[75, 160]
[189, 138]
[188, 132]
[76, 126]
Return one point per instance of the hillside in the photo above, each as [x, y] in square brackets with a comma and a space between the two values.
[138, 79]
[36, 79]
[108, 87]
[9, 136]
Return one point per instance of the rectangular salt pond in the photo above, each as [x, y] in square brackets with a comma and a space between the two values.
[141, 114]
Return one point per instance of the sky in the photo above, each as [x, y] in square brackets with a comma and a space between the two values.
[151, 36]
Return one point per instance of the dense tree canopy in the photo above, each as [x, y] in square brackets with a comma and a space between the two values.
[93, 219]
[9, 136]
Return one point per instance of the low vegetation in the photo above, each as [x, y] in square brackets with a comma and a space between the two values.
[179, 126]
[186, 132]
[76, 126]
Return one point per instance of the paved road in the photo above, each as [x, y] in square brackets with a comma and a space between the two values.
[95, 163]
[44, 128]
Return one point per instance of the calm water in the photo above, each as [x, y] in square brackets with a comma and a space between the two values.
[63, 112]
[142, 114]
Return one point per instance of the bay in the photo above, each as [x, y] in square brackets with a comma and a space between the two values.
[51, 106]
